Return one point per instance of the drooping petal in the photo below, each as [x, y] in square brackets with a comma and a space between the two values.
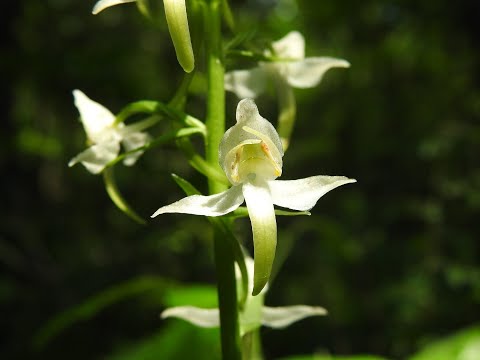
[103, 4]
[97, 156]
[246, 83]
[213, 205]
[309, 72]
[281, 317]
[134, 141]
[206, 318]
[303, 194]
[177, 21]
[264, 229]
[291, 46]
[96, 119]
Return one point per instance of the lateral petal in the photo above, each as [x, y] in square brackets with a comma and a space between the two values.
[134, 141]
[213, 205]
[281, 317]
[264, 229]
[303, 194]
[206, 318]
[309, 72]
[97, 156]
[246, 83]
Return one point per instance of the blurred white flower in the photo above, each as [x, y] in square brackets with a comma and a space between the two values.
[254, 313]
[105, 135]
[289, 64]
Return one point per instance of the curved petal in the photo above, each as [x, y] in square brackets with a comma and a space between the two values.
[246, 83]
[281, 317]
[291, 46]
[96, 118]
[309, 72]
[177, 21]
[303, 194]
[103, 4]
[134, 141]
[206, 318]
[97, 156]
[213, 205]
[264, 229]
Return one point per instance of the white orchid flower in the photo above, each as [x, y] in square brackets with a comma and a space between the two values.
[254, 313]
[251, 154]
[105, 135]
[290, 65]
[177, 21]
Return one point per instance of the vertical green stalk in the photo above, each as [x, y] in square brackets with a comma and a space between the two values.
[215, 121]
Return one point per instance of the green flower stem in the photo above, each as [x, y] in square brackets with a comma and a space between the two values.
[215, 121]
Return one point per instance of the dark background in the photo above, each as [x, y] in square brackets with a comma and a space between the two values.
[394, 258]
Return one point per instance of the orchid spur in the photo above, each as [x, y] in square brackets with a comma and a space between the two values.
[251, 154]
[253, 314]
[105, 135]
[177, 21]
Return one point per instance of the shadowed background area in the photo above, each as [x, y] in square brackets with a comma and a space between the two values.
[394, 257]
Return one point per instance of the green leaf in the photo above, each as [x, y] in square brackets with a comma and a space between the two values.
[178, 340]
[332, 357]
[204, 296]
[93, 305]
[463, 345]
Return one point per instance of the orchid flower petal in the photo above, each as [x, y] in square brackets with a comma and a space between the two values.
[213, 205]
[103, 4]
[206, 318]
[177, 21]
[264, 229]
[281, 317]
[303, 194]
[134, 141]
[291, 46]
[96, 118]
[250, 126]
[97, 156]
[309, 72]
[246, 83]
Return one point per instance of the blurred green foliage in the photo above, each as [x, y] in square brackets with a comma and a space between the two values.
[394, 258]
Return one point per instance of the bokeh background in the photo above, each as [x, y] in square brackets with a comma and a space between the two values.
[394, 258]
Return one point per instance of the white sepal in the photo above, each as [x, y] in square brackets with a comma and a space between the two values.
[206, 318]
[97, 120]
[103, 4]
[309, 72]
[281, 317]
[213, 205]
[290, 47]
[303, 194]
